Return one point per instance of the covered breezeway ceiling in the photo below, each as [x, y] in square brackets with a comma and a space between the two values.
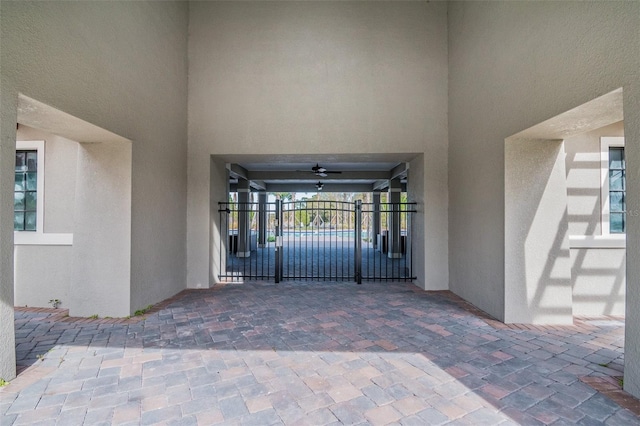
[296, 173]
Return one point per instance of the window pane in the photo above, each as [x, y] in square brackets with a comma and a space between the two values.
[21, 161]
[616, 158]
[616, 223]
[18, 221]
[30, 221]
[18, 200]
[32, 161]
[616, 181]
[616, 202]
[32, 181]
[31, 201]
[20, 184]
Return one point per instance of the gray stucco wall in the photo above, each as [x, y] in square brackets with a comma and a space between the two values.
[321, 78]
[597, 274]
[44, 272]
[511, 66]
[123, 67]
[61, 158]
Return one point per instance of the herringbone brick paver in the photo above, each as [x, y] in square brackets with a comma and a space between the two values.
[314, 353]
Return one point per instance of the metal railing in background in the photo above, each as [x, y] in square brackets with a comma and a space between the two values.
[385, 258]
[316, 240]
[260, 263]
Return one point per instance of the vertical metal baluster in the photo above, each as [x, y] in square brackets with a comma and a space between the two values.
[242, 208]
[318, 243]
[324, 243]
[290, 251]
[358, 241]
[374, 253]
[277, 249]
[222, 245]
[330, 241]
[386, 257]
[342, 242]
[251, 257]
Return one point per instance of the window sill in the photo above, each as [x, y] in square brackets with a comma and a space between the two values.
[598, 241]
[26, 238]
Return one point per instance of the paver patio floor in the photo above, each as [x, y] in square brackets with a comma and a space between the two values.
[311, 353]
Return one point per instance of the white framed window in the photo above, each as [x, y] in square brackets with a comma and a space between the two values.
[613, 186]
[613, 215]
[29, 197]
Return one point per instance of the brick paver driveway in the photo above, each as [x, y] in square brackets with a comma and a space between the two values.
[310, 353]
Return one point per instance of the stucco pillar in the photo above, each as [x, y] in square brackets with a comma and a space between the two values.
[244, 225]
[376, 218]
[8, 120]
[218, 226]
[101, 281]
[537, 259]
[632, 317]
[262, 219]
[394, 248]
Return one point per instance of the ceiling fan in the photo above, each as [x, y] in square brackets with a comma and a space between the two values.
[318, 170]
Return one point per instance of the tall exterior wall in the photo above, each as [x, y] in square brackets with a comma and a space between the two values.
[513, 65]
[43, 272]
[121, 66]
[273, 78]
[597, 274]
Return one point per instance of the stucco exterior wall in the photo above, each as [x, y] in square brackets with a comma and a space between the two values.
[511, 66]
[44, 272]
[597, 274]
[8, 114]
[598, 281]
[121, 66]
[61, 158]
[328, 78]
[536, 236]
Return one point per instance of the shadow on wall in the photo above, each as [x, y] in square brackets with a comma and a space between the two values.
[537, 263]
[597, 275]
[99, 280]
[539, 274]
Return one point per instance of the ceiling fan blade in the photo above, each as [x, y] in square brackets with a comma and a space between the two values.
[322, 174]
[331, 171]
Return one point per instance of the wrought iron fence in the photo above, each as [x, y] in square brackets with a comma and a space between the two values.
[316, 240]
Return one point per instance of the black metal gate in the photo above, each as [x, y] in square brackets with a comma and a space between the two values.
[316, 240]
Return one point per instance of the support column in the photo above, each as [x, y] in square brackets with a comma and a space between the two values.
[8, 120]
[376, 219]
[395, 249]
[244, 225]
[278, 252]
[101, 278]
[358, 243]
[537, 260]
[262, 219]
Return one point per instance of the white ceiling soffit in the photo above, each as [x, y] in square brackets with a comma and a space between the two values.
[599, 112]
[35, 114]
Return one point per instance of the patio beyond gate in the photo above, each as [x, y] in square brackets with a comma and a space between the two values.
[316, 240]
